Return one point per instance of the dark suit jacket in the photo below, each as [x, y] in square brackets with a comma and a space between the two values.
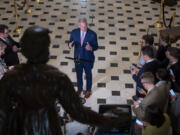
[81, 52]
[161, 56]
[10, 57]
[148, 67]
[176, 70]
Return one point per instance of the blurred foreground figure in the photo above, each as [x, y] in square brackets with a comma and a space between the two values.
[28, 93]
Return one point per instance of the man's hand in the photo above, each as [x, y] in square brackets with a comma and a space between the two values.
[71, 44]
[14, 48]
[172, 97]
[133, 72]
[145, 124]
[88, 47]
[11, 67]
[143, 92]
[172, 77]
[136, 103]
[69, 119]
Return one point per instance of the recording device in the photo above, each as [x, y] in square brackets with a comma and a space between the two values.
[172, 92]
[134, 65]
[133, 68]
[139, 101]
[139, 89]
[139, 122]
[171, 72]
[135, 98]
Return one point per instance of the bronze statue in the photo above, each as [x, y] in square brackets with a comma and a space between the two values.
[28, 93]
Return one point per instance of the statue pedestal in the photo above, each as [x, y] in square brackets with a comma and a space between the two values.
[167, 2]
[173, 33]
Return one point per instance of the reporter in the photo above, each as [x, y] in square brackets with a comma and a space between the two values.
[3, 67]
[157, 123]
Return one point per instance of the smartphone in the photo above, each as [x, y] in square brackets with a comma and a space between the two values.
[172, 92]
[171, 72]
[135, 98]
[132, 68]
[134, 65]
[139, 101]
[139, 89]
[139, 122]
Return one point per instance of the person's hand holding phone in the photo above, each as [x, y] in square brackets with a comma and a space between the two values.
[136, 104]
[143, 92]
[133, 69]
[139, 123]
[133, 72]
[172, 74]
[172, 94]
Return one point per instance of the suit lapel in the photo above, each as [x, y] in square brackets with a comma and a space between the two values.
[79, 35]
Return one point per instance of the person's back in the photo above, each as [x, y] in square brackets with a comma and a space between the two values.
[153, 130]
[28, 93]
[33, 94]
[155, 122]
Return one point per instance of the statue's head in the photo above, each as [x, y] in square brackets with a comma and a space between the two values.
[35, 44]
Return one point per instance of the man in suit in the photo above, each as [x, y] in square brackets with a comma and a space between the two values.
[173, 54]
[151, 65]
[161, 52]
[85, 43]
[156, 95]
[147, 40]
[10, 57]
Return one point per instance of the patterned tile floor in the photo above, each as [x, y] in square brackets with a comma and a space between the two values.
[119, 25]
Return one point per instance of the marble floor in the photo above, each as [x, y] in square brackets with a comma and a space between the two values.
[119, 25]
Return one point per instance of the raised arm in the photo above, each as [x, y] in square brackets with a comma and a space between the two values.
[71, 103]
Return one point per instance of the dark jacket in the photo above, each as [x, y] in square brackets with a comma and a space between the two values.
[27, 97]
[80, 51]
[10, 57]
[148, 67]
[161, 55]
[176, 70]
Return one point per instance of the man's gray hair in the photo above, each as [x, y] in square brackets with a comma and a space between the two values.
[84, 20]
